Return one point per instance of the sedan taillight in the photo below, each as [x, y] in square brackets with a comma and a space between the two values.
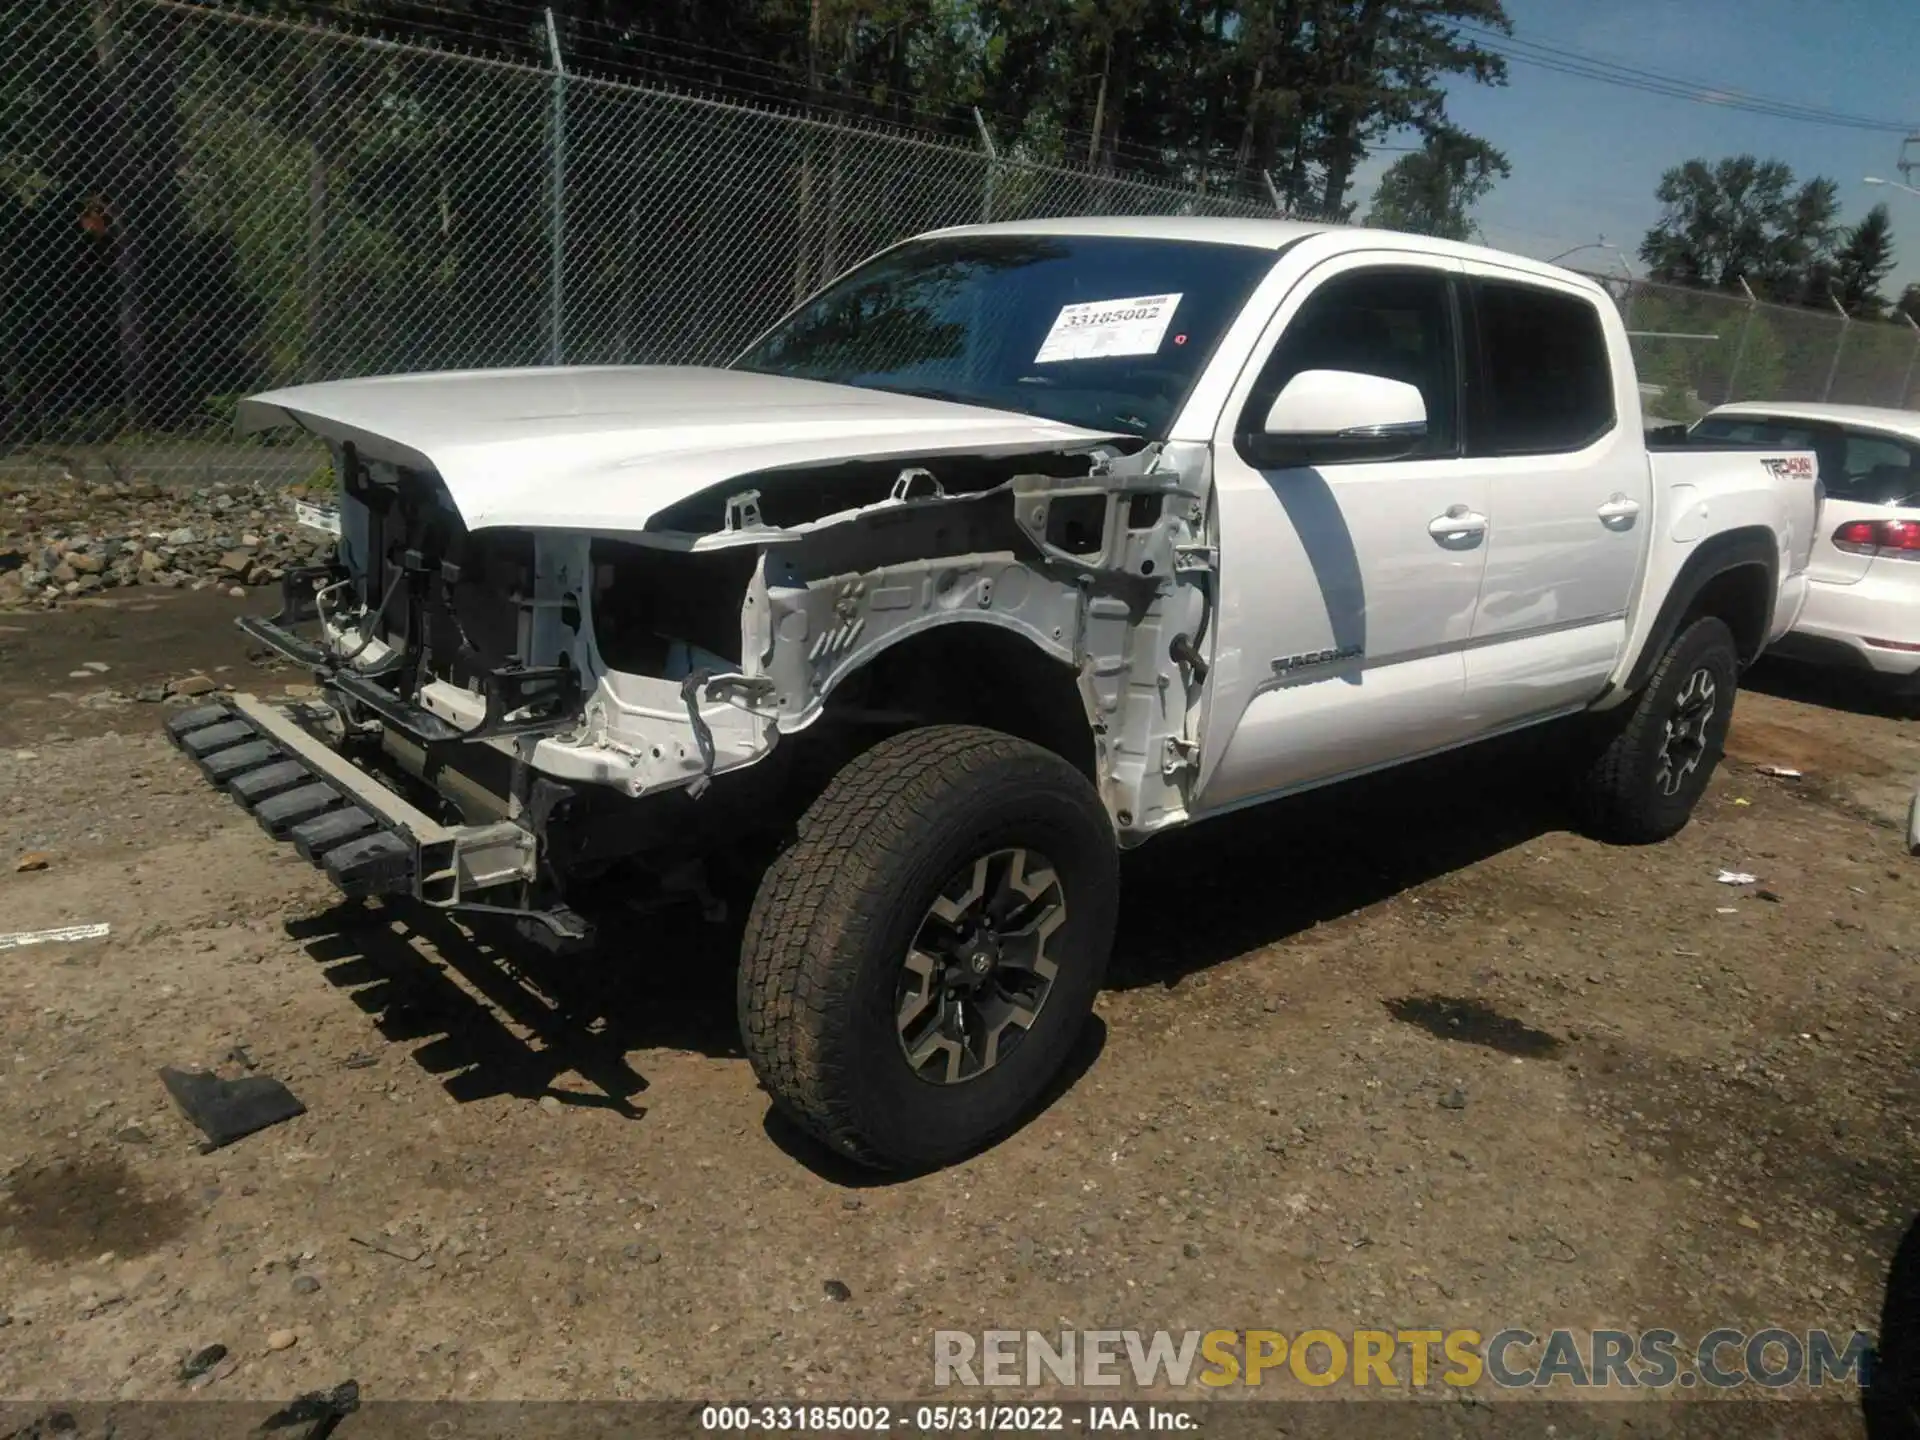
[1897, 539]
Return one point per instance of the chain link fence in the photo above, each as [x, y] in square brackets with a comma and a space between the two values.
[197, 204]
[1696, 349]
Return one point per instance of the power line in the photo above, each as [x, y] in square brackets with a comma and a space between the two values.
[1571, 62]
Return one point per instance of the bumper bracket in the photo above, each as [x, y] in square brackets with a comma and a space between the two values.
[368, 839]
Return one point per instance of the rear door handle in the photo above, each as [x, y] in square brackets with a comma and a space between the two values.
[1618, 512]
[1458, 529]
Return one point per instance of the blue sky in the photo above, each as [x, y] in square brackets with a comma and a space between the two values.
[1586, 155]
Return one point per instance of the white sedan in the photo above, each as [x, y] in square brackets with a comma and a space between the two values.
[1863, 600]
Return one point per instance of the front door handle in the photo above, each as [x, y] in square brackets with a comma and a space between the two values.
[1618, 512]
[1458, 529]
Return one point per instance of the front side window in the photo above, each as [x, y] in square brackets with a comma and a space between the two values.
[1102, 331]
[1396, 323]
[1549, 379]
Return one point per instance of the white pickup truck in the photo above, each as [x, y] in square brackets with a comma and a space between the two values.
[1011, 548]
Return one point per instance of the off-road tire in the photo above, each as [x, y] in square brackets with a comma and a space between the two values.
[1618, 796]
[836, 914]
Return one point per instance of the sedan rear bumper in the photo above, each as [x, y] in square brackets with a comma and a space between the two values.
[1873, 624]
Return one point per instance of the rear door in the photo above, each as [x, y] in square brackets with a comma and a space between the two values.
[1571, 497]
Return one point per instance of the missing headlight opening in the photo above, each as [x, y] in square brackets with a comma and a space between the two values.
[668, 613]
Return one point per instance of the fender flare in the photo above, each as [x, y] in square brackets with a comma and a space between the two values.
[1749, 545]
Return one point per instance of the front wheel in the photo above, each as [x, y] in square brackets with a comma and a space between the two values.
[919, 963]
[1661, 753]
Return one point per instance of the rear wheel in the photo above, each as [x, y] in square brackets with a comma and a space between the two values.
[918, 964]
[1661, 752]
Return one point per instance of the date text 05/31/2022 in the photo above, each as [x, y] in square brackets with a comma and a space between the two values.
[943, 1419]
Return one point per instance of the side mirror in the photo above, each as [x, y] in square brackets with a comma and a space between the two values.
[1328, 415]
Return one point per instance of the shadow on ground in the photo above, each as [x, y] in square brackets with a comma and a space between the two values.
[1833, 687]
[1192, 900]
[1196, 897]
[1890, 1404]
[668, 984]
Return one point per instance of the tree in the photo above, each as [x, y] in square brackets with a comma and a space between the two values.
[1221, 93]
[1390, 58]
[1742, 218]
[1909, 302]
[1432, 190]
[1863, 264]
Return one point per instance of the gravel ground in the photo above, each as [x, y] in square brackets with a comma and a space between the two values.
[84, 534]
[1405, 1053]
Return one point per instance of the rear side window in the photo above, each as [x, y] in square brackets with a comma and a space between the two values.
[1548, 382]
[1878, 470]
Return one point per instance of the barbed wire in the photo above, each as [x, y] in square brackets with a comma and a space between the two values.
[591, 46]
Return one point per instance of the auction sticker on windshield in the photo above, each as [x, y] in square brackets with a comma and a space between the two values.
[1098, 329]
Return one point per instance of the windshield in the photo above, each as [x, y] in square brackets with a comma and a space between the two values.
[1104, 332]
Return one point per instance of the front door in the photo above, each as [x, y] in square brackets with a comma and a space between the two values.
[1347, 591]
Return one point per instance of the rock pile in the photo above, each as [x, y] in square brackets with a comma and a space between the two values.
[63, 539]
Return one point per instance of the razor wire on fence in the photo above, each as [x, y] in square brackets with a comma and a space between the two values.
[197, 204]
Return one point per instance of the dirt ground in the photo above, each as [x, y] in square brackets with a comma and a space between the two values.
[1406, 1053]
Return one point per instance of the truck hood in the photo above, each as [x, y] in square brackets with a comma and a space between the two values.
[606, 448]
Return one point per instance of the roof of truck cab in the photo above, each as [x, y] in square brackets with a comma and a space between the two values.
[1212, 229]
[1865, 417]
[1261, 234]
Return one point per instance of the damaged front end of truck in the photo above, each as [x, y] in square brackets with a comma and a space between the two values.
[519, 717]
